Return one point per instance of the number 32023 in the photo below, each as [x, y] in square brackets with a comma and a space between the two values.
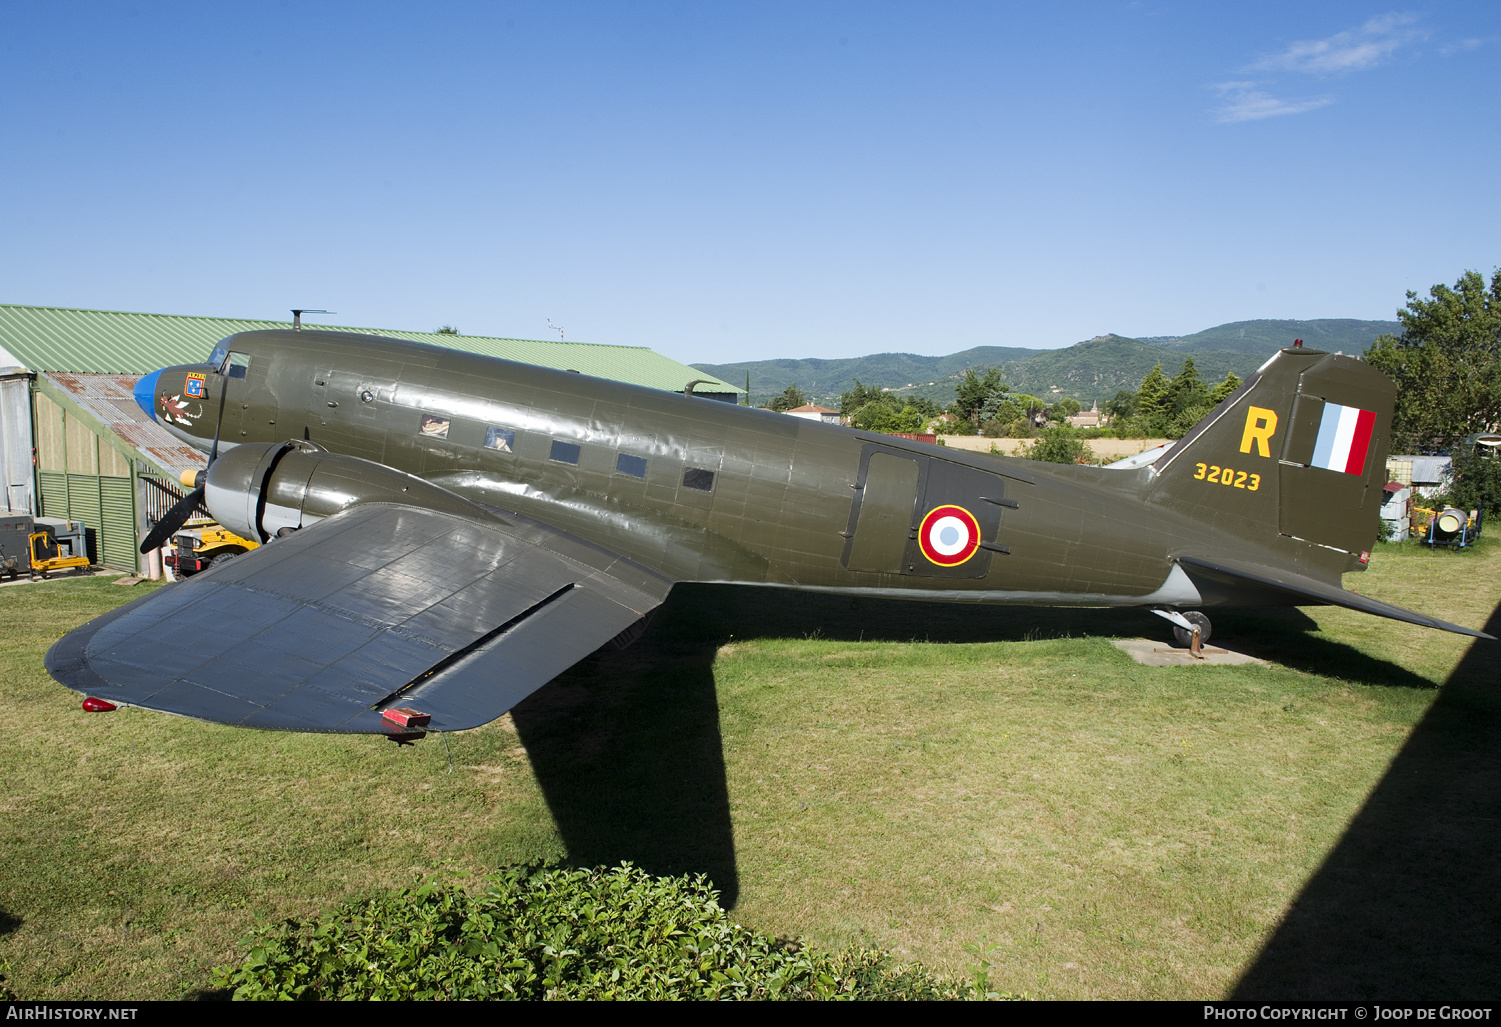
[1228, 476]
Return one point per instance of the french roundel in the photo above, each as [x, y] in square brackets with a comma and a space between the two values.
[949, 535]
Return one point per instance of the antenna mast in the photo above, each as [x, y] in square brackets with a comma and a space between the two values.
[297, 316]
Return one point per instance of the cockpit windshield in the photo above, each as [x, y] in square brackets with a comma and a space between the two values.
[225, 362]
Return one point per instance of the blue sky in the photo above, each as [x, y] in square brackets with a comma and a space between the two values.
[730, 182]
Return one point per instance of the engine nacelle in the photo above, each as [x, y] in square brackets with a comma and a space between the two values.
[256, 489]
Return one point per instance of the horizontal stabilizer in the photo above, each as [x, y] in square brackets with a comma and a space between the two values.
[373, 608]
[1227, 583]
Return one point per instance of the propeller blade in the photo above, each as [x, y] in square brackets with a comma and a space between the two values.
[175, 519]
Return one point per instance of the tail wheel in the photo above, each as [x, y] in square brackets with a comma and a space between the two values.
[1184, 637]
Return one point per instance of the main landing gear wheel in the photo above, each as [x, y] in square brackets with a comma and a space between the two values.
[1184, 637]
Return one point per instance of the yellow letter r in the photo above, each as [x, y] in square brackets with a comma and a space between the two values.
[1260, 424]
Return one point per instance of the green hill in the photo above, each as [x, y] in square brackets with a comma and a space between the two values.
[1263, 337]
[1097, 368]
[823, 380]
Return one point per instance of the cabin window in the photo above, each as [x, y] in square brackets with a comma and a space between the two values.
[501, 439]
[635, 466]
[698, 478]
[434, 427]
[565, 452]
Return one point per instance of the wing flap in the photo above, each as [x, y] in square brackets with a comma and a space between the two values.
[376, 606]
[536, 648]
[1234, 584]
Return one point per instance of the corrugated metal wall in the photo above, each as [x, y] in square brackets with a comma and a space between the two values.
[117, 520]
[16, 443]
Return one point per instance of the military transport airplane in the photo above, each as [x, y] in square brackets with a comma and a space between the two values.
[448, 532]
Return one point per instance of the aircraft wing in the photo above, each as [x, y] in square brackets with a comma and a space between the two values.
[1235, 584]
[376, 607]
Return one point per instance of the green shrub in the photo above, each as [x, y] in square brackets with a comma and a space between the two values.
[1059, 444]
[560, 933]
[1476, 482]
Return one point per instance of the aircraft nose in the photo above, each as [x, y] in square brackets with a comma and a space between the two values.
[145, 393]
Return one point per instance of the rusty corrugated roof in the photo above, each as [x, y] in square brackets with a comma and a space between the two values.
[116, 342]
[109, 399]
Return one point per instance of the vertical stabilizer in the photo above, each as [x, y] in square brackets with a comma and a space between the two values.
[1293, 462]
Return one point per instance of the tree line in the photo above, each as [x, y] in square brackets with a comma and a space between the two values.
[984, 404]
[1447, 366]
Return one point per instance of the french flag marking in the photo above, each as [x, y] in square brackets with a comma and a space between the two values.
[1344, 438]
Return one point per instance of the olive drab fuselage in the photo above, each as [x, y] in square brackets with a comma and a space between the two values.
[701, 490]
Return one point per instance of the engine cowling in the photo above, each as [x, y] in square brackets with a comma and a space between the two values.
[257, 489]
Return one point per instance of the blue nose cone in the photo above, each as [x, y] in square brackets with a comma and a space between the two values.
[145, 393]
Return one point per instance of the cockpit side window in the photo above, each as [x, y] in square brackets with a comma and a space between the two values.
[216, 358]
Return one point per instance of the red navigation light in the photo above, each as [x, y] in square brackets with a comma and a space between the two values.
[405, 716]
[1298, 343]
[92, 705]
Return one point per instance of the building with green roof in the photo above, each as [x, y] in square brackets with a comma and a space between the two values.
[115, 342]
[73, 443]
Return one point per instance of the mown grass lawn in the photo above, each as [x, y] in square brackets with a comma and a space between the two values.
[847, 772]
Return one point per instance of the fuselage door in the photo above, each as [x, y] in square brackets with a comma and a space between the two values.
[260, 407]
[885, 500]
[249, 404]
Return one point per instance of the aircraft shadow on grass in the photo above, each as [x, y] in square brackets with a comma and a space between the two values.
[627, 751]
[1287, 637]
[626, 745]
[1407, 906]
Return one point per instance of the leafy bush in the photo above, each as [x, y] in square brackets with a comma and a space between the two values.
[1059, 444]
[1476, 482]
[560, 933]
